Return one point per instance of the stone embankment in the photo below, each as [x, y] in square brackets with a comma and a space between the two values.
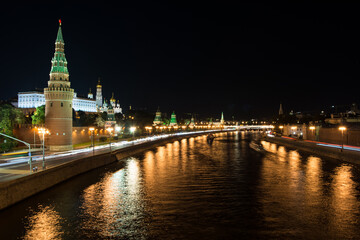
[314, 148]
[18, 189]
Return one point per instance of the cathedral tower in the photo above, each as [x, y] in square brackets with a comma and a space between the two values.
[58, 100]
[99, 102]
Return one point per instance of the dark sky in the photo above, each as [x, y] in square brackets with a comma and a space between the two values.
[242, 59]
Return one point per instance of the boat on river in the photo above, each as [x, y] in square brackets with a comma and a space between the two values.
[257, 146]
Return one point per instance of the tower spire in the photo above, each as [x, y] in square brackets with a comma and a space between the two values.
[59, 37]
[281, 112]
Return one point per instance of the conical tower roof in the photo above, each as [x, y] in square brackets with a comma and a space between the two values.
[59, 62]
[173, 119]
[59, 37]
[157, 119]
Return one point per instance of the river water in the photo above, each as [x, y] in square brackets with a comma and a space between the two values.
[188, 189]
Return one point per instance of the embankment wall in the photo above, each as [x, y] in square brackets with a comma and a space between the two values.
[21, 188]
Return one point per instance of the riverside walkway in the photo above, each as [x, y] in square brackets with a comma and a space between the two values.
[345, 153]
[15, 168]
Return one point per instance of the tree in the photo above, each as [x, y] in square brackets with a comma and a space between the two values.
[100, 121]
[9, 117]
[38, 117]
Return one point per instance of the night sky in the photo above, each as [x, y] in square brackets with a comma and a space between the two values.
[204, 58]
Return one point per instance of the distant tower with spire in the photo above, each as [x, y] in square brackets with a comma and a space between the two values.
[192, 122]
[222, 121]
[173, 121]
[157, 119]
[99, 101]
[112, 100]
[59, 100]
[281, 112]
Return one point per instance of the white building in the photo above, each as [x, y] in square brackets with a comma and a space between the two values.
[35, 99]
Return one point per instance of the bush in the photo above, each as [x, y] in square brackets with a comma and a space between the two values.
[102, 139]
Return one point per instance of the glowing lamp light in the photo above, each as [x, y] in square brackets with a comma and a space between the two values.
[132, 129]
[342, 128]
[312, 128]
[91, 129]
[43, 131]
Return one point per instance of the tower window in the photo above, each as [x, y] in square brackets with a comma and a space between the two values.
[51, 104]
[62, 104]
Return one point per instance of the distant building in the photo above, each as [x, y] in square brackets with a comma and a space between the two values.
[115, 106]
[34, 99]
[110, 117]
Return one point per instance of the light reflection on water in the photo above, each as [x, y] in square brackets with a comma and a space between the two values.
[45, 224]
[188, 189]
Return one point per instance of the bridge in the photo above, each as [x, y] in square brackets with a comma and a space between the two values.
[249, 127]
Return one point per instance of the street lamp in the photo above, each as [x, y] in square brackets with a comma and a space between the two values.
[312, 128]
[92, 130]
[110, 129]
[43, 131]
[281, 129]
[132, 130]
[342, 129]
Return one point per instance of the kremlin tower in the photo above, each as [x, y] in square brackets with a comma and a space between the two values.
[173, 121]
[59, 100]
[222, 121]
[157, 119]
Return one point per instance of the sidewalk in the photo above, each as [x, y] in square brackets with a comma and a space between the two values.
[349, 153]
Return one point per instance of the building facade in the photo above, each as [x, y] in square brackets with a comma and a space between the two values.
[34, 99]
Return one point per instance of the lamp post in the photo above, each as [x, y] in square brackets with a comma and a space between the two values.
[281, 129]
[110, 129]
[92, 129]
[312, 128]
[132, 130]
[342, 129]
[43, 131]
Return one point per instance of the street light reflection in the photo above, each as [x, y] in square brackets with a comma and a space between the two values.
[45, 224]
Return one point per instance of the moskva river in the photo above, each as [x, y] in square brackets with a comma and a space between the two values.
[189, 189]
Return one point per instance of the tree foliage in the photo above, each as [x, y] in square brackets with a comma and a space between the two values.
[9, 117]
[38, 117]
